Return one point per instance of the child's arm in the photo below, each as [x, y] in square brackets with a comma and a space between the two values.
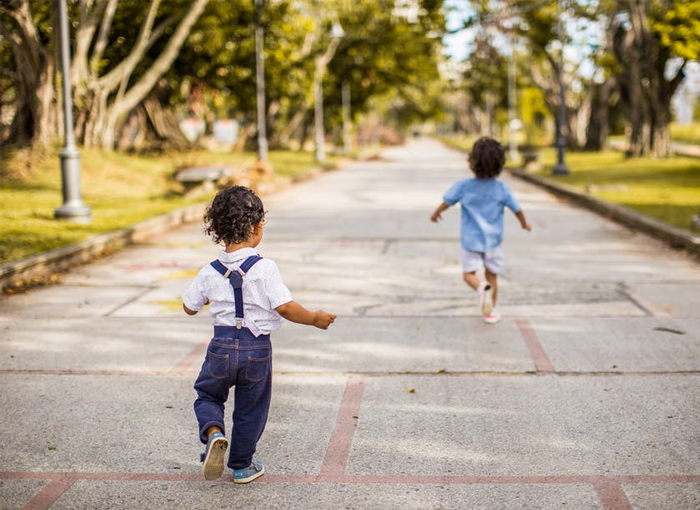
[293, 311]
[523, 222]
[192, 312]
[436, 216]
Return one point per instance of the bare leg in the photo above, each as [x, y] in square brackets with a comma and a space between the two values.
[213, 430]
[471, 279]
[493, 280]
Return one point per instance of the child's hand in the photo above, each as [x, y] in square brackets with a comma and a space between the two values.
[437, 214]
[323, 319]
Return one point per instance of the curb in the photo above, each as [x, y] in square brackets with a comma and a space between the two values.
[44, 265]
[40, 268]
[674, 237]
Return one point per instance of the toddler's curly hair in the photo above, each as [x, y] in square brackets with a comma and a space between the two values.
[487, 158]
[232, 214]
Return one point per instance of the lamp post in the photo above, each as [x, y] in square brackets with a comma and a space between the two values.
[73, 208]
[560, 168]
[260, 82]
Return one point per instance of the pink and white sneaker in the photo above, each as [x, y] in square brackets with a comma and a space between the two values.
[493, 317]
[485, 298]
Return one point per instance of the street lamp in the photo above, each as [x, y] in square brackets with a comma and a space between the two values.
[560, 168]
[73, 208]
[260, 82]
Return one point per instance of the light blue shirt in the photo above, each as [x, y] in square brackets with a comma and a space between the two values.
[483, 202]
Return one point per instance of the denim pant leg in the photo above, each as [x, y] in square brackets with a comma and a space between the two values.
[251, 404]
[212, 385]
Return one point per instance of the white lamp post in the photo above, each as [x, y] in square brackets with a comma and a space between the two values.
[73, 208]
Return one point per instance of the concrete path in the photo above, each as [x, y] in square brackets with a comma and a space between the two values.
[586, 396]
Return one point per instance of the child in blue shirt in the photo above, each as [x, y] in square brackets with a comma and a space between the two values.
[483, 200]
[247, 301]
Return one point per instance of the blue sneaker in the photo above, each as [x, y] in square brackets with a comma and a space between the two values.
[213, 456]
[250, 473]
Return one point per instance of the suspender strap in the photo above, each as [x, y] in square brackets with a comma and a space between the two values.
[235, 277]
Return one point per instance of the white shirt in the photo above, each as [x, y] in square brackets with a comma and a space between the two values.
[263, 291]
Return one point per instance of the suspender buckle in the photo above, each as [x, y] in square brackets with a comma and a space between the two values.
[239, 323]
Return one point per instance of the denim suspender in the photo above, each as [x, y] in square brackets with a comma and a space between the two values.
[235, 277]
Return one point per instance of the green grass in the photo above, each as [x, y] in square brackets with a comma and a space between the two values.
[686, 133]
[121, 190]
[665, 189]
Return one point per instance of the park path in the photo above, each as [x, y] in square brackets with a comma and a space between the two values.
[586, 396]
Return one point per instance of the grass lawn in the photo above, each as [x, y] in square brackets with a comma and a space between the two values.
[686, 133]
[666, 189]
[121, 190]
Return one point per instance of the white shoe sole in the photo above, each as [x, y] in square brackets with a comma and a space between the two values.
[214, 464]
[492, 319]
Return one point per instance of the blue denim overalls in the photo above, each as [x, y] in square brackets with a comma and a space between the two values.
[236, 357]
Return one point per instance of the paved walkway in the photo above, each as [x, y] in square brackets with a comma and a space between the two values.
[586, 396]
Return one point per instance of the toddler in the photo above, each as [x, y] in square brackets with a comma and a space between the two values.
[247, 300]
[482, 201]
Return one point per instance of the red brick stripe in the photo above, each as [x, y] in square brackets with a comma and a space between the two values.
[338, 451]
[539, 356]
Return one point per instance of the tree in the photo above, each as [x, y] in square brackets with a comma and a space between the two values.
[30, 72]
[112, 71]
[647, 35]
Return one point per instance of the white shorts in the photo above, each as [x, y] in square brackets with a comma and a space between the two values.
[472, 261]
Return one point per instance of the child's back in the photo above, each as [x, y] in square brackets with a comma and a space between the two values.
[482, 201]
[248, 300]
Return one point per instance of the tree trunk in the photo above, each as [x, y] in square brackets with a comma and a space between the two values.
[645, 91]
[34, 87]
[598, 122]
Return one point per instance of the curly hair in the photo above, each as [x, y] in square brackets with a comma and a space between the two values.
[487, 158]
[232, 215]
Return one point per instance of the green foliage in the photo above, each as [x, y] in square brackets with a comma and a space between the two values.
[678, 26]
[666, 189]
[534, 115]
[687, 133]
[378, 54]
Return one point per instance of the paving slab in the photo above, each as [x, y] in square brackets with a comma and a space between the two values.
[542, 426]
[600, 344]
[138, 424]
[70, 301]
[410, 345]
[161, 495]
[100, 344]
[676, 496]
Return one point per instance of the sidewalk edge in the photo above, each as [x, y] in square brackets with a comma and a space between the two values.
[39, 267]
[60, 259]
[674, 237]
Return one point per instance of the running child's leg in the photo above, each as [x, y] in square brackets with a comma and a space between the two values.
[471, 279]
[492, 278]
